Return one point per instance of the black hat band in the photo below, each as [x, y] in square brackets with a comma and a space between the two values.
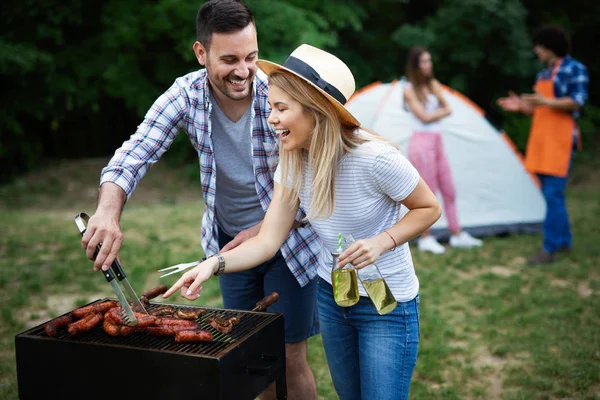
[308, 73]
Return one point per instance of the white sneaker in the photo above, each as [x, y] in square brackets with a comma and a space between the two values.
[465, 241]
[429, 243]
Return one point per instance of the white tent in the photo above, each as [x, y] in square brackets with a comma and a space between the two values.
[494, 193]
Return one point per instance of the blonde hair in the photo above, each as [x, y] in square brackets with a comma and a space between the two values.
[331, 138]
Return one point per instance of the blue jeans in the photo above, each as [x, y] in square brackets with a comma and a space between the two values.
[370, 356]
[557, 230]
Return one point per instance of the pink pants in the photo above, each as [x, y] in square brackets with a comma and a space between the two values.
[426, 153]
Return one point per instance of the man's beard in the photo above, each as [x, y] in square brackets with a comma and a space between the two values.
[222, 85]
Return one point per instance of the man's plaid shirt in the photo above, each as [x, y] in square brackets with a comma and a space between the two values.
[571, 80]
[185, 106]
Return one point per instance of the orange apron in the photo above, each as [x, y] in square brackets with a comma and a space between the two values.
[551, 136]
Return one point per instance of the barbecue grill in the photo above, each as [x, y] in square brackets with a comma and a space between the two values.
[95, 365]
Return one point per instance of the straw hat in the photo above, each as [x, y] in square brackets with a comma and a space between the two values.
[325, 72]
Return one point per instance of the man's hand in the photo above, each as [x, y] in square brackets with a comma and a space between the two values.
[242, 237]
[511, 103]
[534, 99]
[103, 230]
[103, 227]
[297, 224]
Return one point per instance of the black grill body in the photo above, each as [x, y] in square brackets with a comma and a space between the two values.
[95, 365]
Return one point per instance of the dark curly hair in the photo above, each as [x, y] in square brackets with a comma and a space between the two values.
[553, 38]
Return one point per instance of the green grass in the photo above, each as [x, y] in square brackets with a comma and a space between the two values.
[491, 326]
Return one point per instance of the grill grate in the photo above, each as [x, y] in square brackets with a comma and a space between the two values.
[249, 323]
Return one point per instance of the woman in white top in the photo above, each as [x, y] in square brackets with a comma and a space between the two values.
[347, 181]
[423, 97]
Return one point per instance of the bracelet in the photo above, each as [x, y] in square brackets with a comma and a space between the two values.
[221, 268]
[393, 240]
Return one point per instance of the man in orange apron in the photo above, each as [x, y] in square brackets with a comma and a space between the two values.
[559, 93]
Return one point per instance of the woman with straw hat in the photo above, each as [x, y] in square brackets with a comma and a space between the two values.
[346, 180]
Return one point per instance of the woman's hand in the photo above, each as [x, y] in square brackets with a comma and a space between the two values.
[446, 111]
[191, 282]
[362, 253]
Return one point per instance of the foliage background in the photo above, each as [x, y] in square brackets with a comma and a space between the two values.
[78, 76]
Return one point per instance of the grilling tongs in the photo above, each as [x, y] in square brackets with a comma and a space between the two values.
[129, 317]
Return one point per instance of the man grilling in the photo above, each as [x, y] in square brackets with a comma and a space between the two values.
[223, 109]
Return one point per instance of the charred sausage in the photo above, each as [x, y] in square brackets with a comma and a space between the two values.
[128, 330]
[117, 330]
[220, 324]
[165, 330]
[85, 324]
[94, 308]
[114, 315]
[190, 313]
[163, 311]
[175, 322]
[57, 323]
[110, 328]
[194, 336]
[152, 293]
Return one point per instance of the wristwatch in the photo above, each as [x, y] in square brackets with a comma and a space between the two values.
[221, 268]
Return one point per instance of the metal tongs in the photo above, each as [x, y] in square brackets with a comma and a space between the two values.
[179, 267]
[128, 316]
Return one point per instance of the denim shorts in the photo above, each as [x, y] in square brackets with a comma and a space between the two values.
[370, 356]
[242, 290]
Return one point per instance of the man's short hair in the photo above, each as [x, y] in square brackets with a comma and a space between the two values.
[553, 38]
[221, 16]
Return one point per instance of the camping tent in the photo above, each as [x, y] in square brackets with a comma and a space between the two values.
[494, 193]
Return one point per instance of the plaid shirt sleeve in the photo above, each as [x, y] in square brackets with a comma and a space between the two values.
[577, 80]
[152, 138]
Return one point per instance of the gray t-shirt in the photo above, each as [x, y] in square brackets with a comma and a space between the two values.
[236, 201]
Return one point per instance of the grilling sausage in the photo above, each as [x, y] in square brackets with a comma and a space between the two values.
[110, 328]
[155, 292]
[57, 323]
[144, 320]
[163, 311]
[194, 336]
[114, 314]
[152, 293]
[85, 324]
[128, 330]
[165, 330]
[190, 313]
[123, 330]
[94, 308]
[222, 325]
[117, 330]
[175, 322]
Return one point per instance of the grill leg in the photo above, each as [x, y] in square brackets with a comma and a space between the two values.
[280, 386]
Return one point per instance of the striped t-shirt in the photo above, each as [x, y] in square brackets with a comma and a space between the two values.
[371, 182]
